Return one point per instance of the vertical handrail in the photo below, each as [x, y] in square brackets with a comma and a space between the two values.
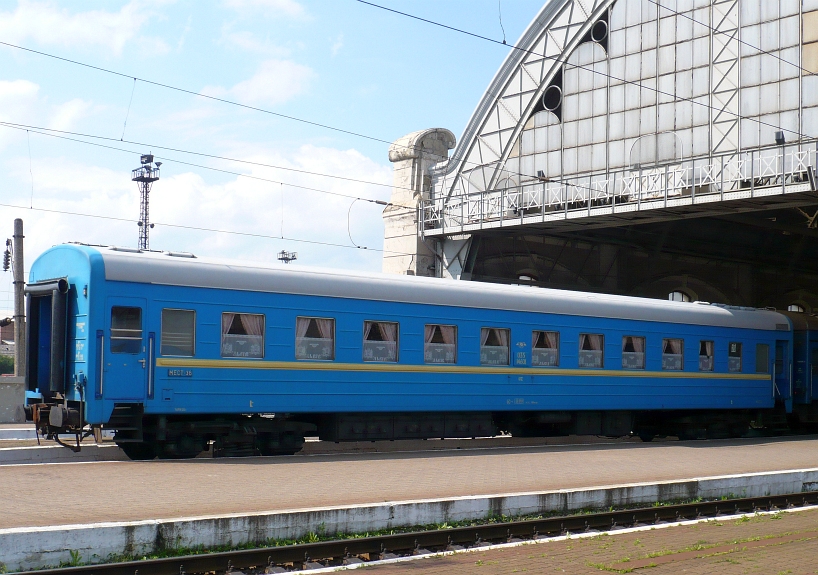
[101, 366]
[151, 361]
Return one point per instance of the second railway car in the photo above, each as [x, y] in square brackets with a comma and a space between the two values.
[178, 354]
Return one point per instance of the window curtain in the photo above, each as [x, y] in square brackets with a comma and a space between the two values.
[367, 329]
[638, 344]
[484, 336]
[590, 342]
[325, 327]
[389, 331]
[302, 324]
[673, 346]
[449, 333]
[502, 337]
[706, 349]
[227, 321]
[253, 324]
[550, 339]
[627, 344]
[429, 333]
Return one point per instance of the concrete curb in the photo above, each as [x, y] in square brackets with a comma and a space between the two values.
[58, 454]
[36, 547]
[18, 432]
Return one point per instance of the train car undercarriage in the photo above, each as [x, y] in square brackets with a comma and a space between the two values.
[143, 436]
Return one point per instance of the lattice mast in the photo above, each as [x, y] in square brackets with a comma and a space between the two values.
[145, 176]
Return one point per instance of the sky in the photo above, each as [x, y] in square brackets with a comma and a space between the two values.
[339, 63]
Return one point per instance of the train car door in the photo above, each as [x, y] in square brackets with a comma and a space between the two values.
[125, 371]
[783, 373]
[813, 362]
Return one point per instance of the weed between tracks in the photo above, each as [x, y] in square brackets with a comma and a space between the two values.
[321, 534]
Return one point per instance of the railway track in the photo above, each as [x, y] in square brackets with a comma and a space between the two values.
[350, 551]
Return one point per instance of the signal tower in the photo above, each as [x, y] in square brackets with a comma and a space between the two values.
[145, 176]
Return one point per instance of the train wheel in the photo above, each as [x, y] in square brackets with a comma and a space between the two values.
[287, 443]
[647, 437]
[141, 451]
[184, 447]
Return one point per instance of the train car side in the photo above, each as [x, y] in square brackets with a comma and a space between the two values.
[174, 367]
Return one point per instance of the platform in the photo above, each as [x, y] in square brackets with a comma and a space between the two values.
[133, 491]
[126, 507]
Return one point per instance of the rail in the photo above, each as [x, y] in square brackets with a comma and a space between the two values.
[340, 552]
[760, 172]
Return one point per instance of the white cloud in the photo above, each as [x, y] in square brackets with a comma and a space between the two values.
[22, 103]
[275, 82]
[47, 23]
[289, 8]
[207, 200]
[337, 45]
[249, 42]
[66, 115]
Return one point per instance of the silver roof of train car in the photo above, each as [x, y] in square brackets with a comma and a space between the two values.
[178, 270]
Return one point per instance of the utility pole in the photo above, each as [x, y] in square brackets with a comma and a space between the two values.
[145, 176]
[19, 301]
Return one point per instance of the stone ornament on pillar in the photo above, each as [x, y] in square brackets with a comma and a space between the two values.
[412, 155]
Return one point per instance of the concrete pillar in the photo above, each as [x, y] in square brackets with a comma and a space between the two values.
[19, 302]
[412, 156]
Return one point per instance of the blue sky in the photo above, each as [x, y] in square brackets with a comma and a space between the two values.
[334, 62]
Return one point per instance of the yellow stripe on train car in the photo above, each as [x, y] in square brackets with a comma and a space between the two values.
[438, 368]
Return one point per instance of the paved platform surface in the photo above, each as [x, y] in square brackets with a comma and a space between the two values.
[785, 543]
[132, 491]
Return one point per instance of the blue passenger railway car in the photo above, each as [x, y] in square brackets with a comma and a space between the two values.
[178, 354]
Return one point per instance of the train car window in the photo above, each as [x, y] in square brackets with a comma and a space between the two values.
[591, 346]
[545, 348]
[705, 356]
[734, 356]
[440, 343]
[126, 329]
[315, 338]
[494, 346]
[673, 354]
[762, 358]
[243, 335]
[178, 332]
[633, 352]
[380, 341]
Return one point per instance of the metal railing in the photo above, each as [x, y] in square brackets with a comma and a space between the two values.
[747, 174]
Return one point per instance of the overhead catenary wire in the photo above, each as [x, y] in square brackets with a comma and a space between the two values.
[60, 135]
[128, 113]
[351, 132]
[198, 228]
[183, 162]
[358, 134]
[564, 61]
[209, 97]
[195, 93]
[201, 154]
